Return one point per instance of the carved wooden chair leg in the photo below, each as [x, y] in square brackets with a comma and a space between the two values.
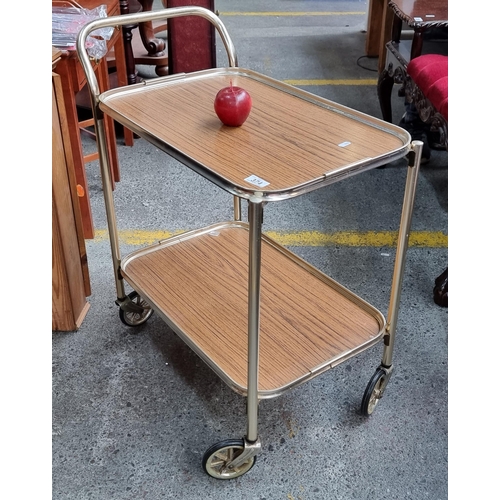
[384, 91]
[441, 289]
[156, 47]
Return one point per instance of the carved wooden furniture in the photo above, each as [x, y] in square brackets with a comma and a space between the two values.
[426, 86]
[190, 42]
[146, 49]
[73, 81]
[420, 16]
[70, 275]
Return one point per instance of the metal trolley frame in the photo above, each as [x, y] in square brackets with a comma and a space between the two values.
[270, 321]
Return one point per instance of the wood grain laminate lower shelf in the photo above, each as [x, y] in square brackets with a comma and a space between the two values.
[198, 283]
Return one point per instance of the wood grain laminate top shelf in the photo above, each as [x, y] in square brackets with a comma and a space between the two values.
[293, 140]
[198, 283]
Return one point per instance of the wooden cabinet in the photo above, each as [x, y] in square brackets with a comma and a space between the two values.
[70, 275]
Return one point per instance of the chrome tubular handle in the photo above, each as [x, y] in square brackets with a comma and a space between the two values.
[148, 16]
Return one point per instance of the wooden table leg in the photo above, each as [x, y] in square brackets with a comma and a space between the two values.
[109, 124]
[378, 31]
[385, 34]
[122, 74]
[374, 27]
[70, 182]
[69, 94]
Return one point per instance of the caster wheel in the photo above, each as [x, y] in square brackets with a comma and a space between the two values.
[220, 454]
[373, 392]
[134, 318]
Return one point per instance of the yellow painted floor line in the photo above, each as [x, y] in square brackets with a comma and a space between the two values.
[367, 81]
[427, 239]
[358, 239]
[281, 13]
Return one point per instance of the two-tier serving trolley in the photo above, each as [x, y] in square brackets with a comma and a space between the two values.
[261, 317]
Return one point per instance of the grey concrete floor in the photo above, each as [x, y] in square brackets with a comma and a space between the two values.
[135, 409]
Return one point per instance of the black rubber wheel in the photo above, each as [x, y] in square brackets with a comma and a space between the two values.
[132, 318]
[372, 393]
[220, 454]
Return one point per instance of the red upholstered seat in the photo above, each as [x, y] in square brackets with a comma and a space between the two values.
[430, 74]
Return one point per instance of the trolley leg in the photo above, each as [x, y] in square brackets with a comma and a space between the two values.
[108, 200]
[232, 458]
[134, 311]
[402, 246]
[255, 214]
[376, 387]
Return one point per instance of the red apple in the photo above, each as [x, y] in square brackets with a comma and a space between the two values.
[232, 105]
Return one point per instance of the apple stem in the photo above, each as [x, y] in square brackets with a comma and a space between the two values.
[231, 83]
